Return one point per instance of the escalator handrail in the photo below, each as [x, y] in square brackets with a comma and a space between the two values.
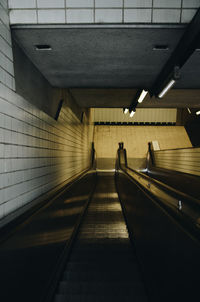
[50, 291]
[182, 205]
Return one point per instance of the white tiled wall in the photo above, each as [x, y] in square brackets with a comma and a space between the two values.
[102, 11]
[37, 153]
[6, 58]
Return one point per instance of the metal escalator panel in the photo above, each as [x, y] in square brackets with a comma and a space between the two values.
[102, 265]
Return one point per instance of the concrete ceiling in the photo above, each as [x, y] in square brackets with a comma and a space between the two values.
[93, 61]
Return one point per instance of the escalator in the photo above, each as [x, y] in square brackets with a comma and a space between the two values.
[103, 265]
[184, 182]
[110, 236]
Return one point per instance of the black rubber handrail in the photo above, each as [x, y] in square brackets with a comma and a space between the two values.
[182, 206]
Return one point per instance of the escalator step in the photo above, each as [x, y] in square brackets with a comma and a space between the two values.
[101, 275]
[124, 259]
[99, 266]
[99, 298]
[114, 288]
[103, 254]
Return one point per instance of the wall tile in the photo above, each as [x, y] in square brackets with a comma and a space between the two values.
[187, 15]
[137, 15]
[79, 3]
[50, 3]
[6, 64]
[4, 3]
[167, 3]
[4, 17]
[23, 16]
[166, 15]
[5, 33]
[6, 48]
[191, 3]
[80, 16]
[51, 16]
[108, 15]
[108, 3]
[22, 3]
[169, 11]
[137, 3]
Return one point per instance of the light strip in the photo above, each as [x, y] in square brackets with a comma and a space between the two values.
[132, 113]
[167, 88]
[142, 96]
[198, 112]
[188, 109]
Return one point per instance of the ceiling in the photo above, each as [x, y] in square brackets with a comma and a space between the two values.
[118, 98]
[104, 66]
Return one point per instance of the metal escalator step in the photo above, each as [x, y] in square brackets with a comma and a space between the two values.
[125, 259]
[106, 247]
[95, 253]
[114, 288]
[82, 243]
[99, 266]
[100, 275]
[99, 298]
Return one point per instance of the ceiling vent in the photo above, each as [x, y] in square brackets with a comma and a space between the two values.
[161, 47]
[43, 47]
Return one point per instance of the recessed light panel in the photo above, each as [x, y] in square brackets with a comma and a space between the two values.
[161, 47]
[43, 47]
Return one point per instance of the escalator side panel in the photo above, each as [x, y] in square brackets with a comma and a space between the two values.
[168, 254]
[183, 182]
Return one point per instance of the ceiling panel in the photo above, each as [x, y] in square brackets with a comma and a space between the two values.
[100, 57]
[104, 66]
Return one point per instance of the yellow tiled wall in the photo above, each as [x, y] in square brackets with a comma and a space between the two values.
[136, 139]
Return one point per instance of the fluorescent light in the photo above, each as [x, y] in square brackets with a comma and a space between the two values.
[132, 113]
[198, 112]
[188, 109]
[142, 96]
[167, 88]
[125, 110]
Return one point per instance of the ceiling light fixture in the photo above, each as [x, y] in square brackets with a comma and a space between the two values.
[132, 112]
[160, 47]
[188, 109]
[43, 47]
[174, 77]
[142, 96]
[125, 110]
[166, 88]
[198, 112]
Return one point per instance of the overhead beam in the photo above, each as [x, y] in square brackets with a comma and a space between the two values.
[185, 48]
